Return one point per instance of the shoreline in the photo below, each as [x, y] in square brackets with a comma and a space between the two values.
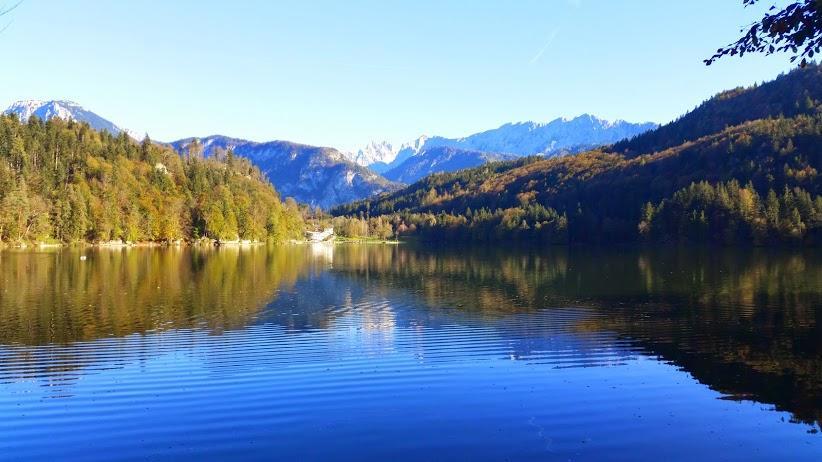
[185, 243]
[209, 243]
[122, 245]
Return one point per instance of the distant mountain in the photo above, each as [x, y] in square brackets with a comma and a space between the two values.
[558, 137]
[406, 151]
[376, 155]
[65, 110]
[440, 159]
[310, 174]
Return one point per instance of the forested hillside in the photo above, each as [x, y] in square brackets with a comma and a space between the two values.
[743, 167]
[793, 94]
[65, 182]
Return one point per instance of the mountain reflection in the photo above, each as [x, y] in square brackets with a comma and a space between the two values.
[744, 323]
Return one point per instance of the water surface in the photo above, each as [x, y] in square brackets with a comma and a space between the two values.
[357, 352]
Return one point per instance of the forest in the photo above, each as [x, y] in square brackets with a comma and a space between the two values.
[743, 167]
[63, 182]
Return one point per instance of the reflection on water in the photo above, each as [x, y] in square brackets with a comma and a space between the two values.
[56, 297]
[367, 351]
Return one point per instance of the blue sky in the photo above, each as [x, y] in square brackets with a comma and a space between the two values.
[343, 73]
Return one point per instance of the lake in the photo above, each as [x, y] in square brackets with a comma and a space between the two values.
[380, 352]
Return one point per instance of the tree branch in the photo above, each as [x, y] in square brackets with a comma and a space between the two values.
[796, 29]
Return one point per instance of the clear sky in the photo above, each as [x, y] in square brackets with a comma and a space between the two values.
[340, 73]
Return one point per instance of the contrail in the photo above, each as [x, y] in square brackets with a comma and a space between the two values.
[544, 47]
[4, 11]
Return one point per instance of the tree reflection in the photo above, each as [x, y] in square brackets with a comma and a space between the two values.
[744, 322]
[55, 297]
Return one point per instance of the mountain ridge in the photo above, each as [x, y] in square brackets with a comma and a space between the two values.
[441, 159]
[66, 110]
[529, 138]
[318, 176]
[557, 137]
[525, 138]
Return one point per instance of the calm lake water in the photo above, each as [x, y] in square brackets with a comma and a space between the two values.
[355, 352]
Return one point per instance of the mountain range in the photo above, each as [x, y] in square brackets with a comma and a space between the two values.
[441, 159]
[558, 137]
[375, 155]
[325, 177]
[744, 166]
[313, 175]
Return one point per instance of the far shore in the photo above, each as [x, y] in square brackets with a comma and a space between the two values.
[365, 240]
[202, 242]
[128, 244]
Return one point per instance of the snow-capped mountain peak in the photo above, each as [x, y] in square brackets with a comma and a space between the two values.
[558, 136]
[415, 145]
[43, 109]
[66, 110]
[374, 152]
